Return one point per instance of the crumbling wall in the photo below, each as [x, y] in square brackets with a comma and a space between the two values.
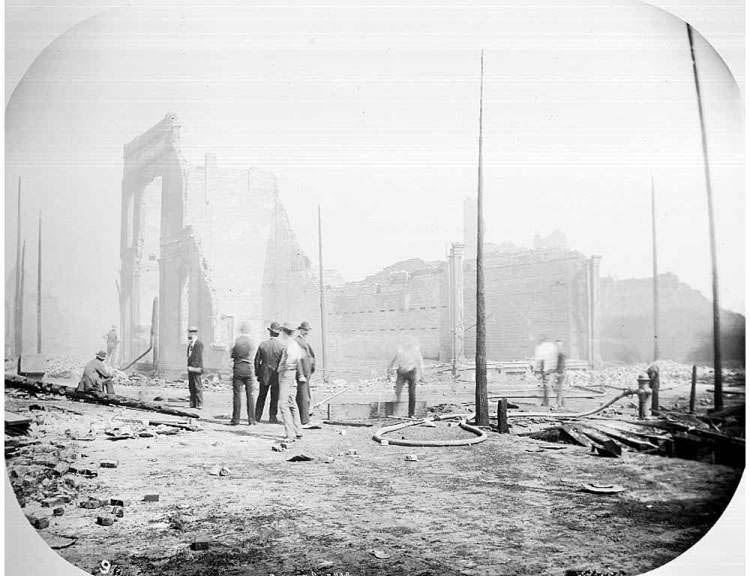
[531, 294]
[366, 319]
[226, 253]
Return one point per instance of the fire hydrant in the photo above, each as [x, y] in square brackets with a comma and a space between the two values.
[644, 392]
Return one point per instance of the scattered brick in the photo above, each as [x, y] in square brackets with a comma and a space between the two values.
[411, 458]
[200, 543]
[151, 498]
[118, 512]
[37, 522]
[105, 520]
[72, 482]
[62, 468]
[117, 502]
[91, 503]
[58, 512]
[109, 463]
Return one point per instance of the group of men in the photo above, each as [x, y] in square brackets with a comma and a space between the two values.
[281, 365]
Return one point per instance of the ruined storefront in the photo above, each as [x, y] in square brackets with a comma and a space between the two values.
[206, 247]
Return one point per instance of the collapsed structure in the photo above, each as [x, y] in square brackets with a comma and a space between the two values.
[205, 247]
[213, 248]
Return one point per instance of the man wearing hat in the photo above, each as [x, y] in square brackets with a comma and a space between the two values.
[266, 370]
[195, 368]
[308, 367]
[96, 375]
[290, 372]
[243, 377]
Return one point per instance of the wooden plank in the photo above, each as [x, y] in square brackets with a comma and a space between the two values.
[13, 419]
[576, 436]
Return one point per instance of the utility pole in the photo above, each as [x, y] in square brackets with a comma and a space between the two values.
[39, 290]
[718, 396]
[19, 318]
[480, 375]
[322, 297]
[17, 303]
[656, 273]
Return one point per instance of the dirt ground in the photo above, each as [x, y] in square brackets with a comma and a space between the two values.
[510, 505]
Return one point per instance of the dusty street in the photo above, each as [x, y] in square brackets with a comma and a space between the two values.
[510, 505]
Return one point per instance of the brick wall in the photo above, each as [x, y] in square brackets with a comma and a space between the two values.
[529, 294]
[366, 319]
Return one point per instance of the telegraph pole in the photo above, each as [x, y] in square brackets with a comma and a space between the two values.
[656, 273]
[19, 318]
[718, 397]
[17, 303]
[481, 404]
[39, 290]
[322, 297]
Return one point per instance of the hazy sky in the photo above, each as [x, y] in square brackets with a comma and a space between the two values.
[372, 112]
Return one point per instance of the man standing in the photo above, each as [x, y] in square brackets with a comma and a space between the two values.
[545, 356]
[96, 376]
[409, 368]
[290, 372]
[560, 373]
[266, 370]
[308, 367]
[243, 376]
[195, 368]
[112, 342]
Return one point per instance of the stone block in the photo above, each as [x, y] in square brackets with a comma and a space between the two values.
[38, 522]
[117, 502]
[200, 543]
[151, 498]
[58, 511]
[105, 520]
[109, 463]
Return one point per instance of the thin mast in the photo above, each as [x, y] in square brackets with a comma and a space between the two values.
[322, 296]
[718, 397]
[481, 404]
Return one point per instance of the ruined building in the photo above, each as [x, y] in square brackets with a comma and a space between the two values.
[206, 247]
[545, 292]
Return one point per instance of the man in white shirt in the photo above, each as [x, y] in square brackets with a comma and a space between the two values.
[290, 371]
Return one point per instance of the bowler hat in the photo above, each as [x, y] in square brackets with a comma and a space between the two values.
[193, 329]
[274, 327]
[288, 327]
[305, 326]
[101, 355]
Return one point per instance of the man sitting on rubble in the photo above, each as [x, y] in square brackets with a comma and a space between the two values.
[96, 376]
[409, 368]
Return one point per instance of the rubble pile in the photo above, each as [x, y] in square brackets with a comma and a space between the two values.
[65, 367]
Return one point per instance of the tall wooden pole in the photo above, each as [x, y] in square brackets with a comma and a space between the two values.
[19, 319]
[718, 396]
[656, 272]
[39, 290]
[481, 403]
[17, 303]
[322, 297]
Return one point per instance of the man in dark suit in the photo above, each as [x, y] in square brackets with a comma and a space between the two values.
[195, 368]
[266, 371]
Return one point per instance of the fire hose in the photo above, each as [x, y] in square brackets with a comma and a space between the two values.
[481, 436]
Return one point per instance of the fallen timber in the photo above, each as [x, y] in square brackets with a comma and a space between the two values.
[40, 387]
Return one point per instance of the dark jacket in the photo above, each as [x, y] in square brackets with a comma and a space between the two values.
[195, 358]
[308, 362]
[93, 374]
[267, 359]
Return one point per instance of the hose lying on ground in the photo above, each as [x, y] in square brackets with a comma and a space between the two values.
[481, 436]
